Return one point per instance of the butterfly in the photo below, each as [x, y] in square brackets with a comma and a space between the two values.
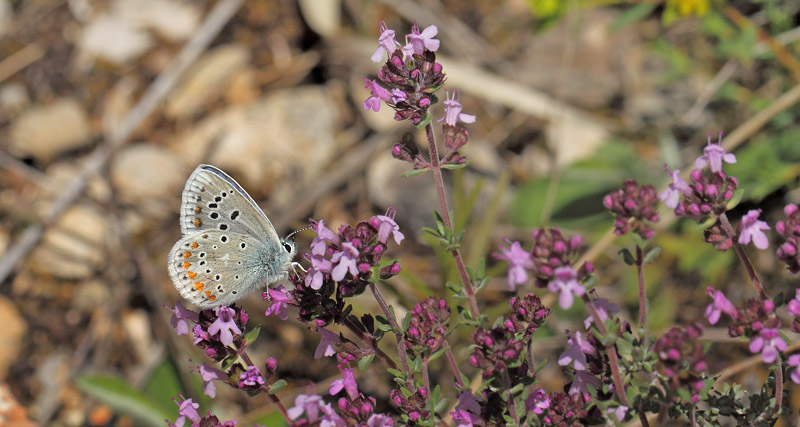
[229, 247]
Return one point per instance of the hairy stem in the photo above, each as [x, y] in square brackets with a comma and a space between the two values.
[425, 377]
[370, 342]
[451, 360]
[459, 261]
[512, 406]
[265, 388]
[619, 388]
[748, 266]
[778, 388]
[398, 332]
[642, 296]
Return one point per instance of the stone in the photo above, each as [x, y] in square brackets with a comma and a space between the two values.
[147, 176]
[11, 334]
[46, 131]
[172, 20]
[271, 145]
[75, 247]
[206, 80]
[114, 38]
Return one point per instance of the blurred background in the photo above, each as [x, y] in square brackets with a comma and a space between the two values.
[106, 106]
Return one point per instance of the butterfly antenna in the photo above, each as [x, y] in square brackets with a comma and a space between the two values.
[296, 231]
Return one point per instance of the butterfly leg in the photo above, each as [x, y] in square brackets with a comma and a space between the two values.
[296, 265]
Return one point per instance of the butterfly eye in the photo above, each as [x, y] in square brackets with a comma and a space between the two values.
[287, 247]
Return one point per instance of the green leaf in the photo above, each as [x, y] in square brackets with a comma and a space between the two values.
[277, 386]
[413, 172]
[251, 336]
[229, 361]
[632, 15]
[426, 121]
[440, 406]
[365, 361]
[737, 197]
[452, 166]
[626, 256]
[438, 354]
[164, 384]
[122, 397]
[652, 254]
[396, 373]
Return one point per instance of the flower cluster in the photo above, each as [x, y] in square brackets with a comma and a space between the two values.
[758, 321]
[342, 265]
[550, 262]
[187, 411]
[682, 358]
[789, 229]
[215, 331]
[495, 350]
[568, 410]
[793, 307]
[414, 406]
[709, 192]
[428, 326]
[527, 314]
[634, 208]
[409, 77]
[586, 359]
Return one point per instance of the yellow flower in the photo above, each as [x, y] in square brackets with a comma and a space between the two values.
[689, 7]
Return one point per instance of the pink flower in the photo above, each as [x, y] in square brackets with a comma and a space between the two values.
[347, 382]
[452, 110]
[519, 261]
[418, 42]
[752, 230]
[565, 281]
[323, 237]
[224, 325]
[180, 315]
[325, 346]
[386, 44]
[714, 155]
[377, 94]
[720, 305]
[467, 412]
[386, 225]
[768, 343]
[345, 260]
[794, 360]
[280, 300]
[209, 375]
[671, 196]
[576, 353]
[618, 412]
[794, 304]
[309, 404]
[583, 379]
[604, 309]
[537, 402]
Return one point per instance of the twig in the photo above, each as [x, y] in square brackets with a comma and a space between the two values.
[149, 102]
[642, 290]
[708, 91]
[20, 59]
[755, 360]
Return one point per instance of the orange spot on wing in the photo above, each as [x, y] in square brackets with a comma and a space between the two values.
[205, 236]
[186, 265]
[198, 286]
[208, 293]
[212, 297]
[197, 209]
[195, 245]
[187, 254]
[191, 275]
[196, 222]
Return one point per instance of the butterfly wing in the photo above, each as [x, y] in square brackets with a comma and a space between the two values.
[212, 267]
[212, 200]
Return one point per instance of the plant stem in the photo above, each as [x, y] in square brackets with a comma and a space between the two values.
[398, 332]
[692, 418]
[451, 360]
[425, 378]
[642, 296]
[619, 388]
[459, 261]
[778, 388]
[370, 342]
[748, 266]
[512, 406]
[265, 388]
